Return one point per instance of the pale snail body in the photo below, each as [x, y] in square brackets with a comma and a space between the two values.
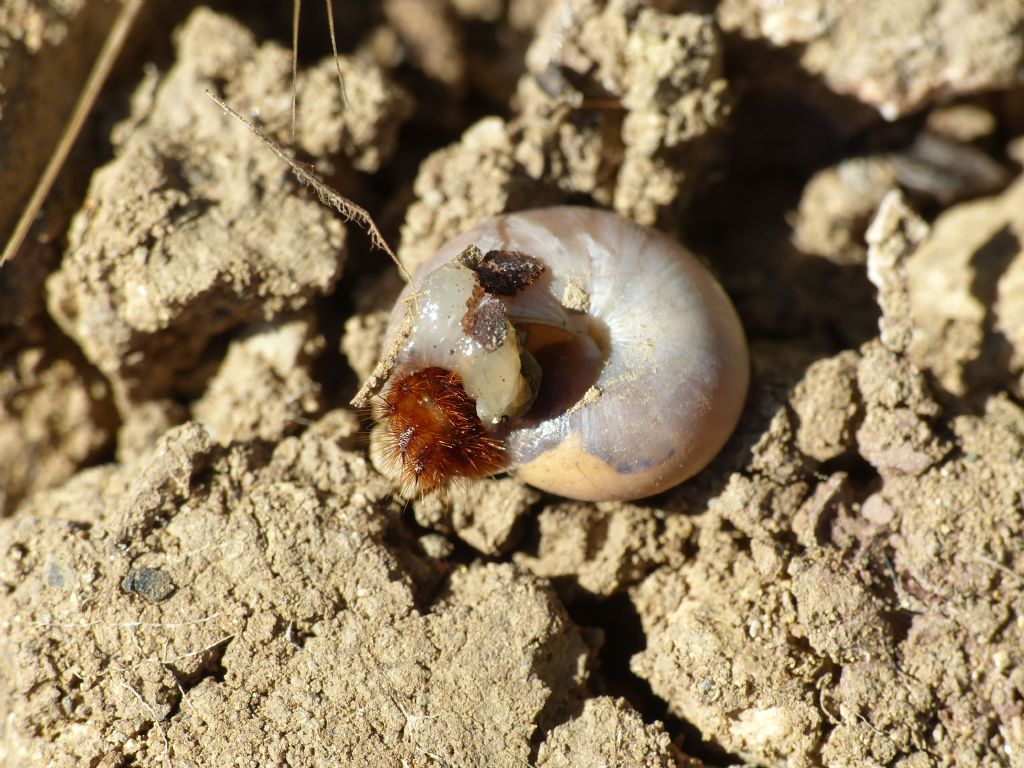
[643, 363]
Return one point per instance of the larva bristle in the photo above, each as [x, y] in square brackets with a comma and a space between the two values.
[433, 434]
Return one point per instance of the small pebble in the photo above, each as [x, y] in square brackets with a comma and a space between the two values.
[151, 583]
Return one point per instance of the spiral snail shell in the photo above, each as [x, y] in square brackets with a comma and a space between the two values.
[589, 356]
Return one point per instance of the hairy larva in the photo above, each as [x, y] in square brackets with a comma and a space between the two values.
[587, 355]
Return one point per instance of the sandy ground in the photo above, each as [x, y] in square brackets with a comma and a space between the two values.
[200, 566]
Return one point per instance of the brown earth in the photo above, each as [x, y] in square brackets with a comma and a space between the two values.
[199, 565]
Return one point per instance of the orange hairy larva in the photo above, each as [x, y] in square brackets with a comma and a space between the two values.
[589, 356]
[433, 433]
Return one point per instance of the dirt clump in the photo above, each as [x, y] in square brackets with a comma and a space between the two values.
[972, 339]
[54, 418]
[837, 205]
[171, 204]
[486, 515]
[826, 619]
[262, 646]
[604, 547]
[263, 389]
[894, 56]
[618, 104]
[608, 731]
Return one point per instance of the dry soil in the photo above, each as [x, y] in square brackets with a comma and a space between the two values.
[199, 566]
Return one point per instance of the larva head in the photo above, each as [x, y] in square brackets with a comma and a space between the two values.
[429, 431]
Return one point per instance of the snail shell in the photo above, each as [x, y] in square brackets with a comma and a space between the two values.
[602, 359]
